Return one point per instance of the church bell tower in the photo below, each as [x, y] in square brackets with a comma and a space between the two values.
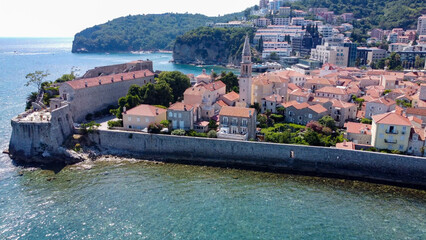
[245, 79]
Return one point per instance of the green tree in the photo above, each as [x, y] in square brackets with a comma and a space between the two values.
[419, 62]
[274, 56]
[328, 121]
[36, 78]
[231, 82]
[178, 82]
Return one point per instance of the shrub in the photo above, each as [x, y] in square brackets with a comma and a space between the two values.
[193, 133]
[155, 128]
[366, 121]
[77, 147]
[90, 127]
[179, 132]
[277, 118]
[118, 123]
[315, 126]
[165, 123]
[212, 134]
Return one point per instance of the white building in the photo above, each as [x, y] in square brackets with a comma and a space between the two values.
[334, 55]
[325, 30]
[281, 21]
[421, 25]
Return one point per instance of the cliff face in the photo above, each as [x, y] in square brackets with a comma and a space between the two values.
[210, 46]
[204, 53]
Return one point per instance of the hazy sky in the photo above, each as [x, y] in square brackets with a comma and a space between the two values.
[64, 18]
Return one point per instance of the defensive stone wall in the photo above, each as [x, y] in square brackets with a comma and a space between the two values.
[316, 160]
[36, 140]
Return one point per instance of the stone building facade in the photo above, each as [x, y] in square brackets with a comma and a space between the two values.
[94, 94]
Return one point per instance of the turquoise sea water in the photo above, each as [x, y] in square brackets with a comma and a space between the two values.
[139, 200]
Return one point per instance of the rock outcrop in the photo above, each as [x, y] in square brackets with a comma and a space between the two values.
[210, 46]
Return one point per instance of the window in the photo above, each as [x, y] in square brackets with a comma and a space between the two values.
[225, 120]
[147, 120]
[138, 119]
[130, 119]
[401, 147]
[170, 114]
[174, 114]
[402, 138]
[244, 122]
[310, 115]
[180, 115]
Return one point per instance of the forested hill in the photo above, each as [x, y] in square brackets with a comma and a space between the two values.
[142, 32]
[385, 14]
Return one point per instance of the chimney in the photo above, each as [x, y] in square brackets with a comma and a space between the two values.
[144, 74]
[156, 111]
[122, 78]
[213, 86]
[134, 76]
[124, 109]
[112, 79]
[85, 83]
[100, 82]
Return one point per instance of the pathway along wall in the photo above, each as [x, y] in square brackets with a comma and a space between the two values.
[389, 168]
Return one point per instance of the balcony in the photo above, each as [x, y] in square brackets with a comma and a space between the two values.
[392, 141]
[392, 132]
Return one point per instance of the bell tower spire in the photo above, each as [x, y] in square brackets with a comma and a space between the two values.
[245, 79]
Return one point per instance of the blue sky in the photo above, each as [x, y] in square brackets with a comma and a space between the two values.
[64, 18]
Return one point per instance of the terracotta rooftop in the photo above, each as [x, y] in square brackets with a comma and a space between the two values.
[358, 128]
[391, 118]
[342, 104]
[179, 106]
[109, 79]
[385, 101]
[215, 86]
[221, 103]
[346, 145]
[318, 108]
[146, 110]
[237, 112]
[232, 96]
[333, 90]
[416, 111]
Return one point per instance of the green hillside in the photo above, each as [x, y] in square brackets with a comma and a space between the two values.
[142, 32]
[385, 14]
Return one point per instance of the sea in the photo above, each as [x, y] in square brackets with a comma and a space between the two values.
[117, 198]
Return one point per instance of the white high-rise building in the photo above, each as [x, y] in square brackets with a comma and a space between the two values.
[245, 79]
[421, 25]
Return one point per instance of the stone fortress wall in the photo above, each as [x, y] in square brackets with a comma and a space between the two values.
[389, 168]
[40, 134]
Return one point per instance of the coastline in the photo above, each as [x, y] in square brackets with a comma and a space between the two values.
[264, 157]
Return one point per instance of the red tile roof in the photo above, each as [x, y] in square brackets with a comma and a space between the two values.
[391, 118]
[179, 106]
[346, 145]
[237, 112]
[222, 103]
[146, 110]
[318, 108]
[416, 111]
[333, 90]
[359, 128]
[232, 96]
[94, 82]
[215, 86]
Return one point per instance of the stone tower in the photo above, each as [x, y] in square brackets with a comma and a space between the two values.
[245, 80]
